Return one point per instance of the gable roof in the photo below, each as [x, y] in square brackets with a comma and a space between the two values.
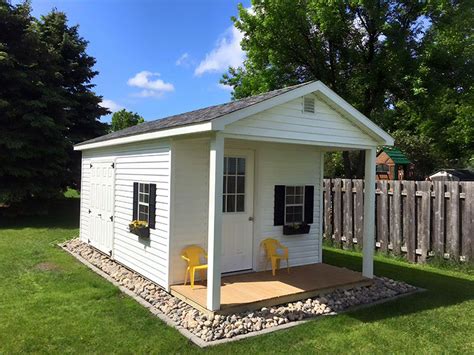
[191, 117]
[396, 155]
[216, 117]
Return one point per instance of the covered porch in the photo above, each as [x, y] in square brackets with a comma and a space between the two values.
[254, 290]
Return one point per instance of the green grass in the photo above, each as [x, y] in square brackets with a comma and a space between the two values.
[50, 303]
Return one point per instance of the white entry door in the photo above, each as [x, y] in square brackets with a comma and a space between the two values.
[101, 210]
[237, 219]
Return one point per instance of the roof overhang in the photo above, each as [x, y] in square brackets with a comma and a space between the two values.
[218, 124]
[165, 133]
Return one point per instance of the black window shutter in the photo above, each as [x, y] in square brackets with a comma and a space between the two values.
[152, 206]
[279, 206]
[135, 201]
[308, 203]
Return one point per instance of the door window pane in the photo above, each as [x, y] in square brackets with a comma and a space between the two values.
[240, 203]
[241, 184]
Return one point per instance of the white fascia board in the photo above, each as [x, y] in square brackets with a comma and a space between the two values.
[195, 128]
[355, 116]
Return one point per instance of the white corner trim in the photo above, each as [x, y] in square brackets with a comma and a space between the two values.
[194, 128]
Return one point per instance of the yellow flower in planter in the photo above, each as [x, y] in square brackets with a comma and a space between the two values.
[138, 224]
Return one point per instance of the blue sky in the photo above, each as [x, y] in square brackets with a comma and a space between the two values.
[156, 58]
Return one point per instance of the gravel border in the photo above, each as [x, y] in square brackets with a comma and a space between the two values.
[197, 339]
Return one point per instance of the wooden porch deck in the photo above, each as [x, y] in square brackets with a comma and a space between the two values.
[254, 290]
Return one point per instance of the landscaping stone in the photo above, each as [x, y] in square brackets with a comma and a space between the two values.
[210, 328]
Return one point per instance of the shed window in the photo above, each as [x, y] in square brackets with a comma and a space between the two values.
[294, 204]
[143, 202]
[308, 104]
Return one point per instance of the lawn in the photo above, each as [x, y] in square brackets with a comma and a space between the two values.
[51, 303]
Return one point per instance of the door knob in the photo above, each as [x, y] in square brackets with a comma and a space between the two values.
[250, 218]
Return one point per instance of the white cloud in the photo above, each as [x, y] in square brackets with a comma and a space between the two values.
[183, 60]
[151, 85]
[225, 87]
[227, 52]
[111, 105]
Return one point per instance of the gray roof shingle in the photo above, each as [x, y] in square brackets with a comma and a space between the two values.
[192, 117]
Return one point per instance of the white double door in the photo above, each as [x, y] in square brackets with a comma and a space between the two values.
[237, 219]
[101, 208]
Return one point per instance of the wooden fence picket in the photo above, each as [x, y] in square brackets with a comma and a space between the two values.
[409, 224]
[337, 209]
[359, 211]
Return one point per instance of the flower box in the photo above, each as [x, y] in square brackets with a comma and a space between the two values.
[293, 229]
[140, 229]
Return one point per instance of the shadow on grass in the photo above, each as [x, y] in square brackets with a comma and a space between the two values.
[62, 213]
[442, 289]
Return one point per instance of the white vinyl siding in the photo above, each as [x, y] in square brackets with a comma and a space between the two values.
[290, 165]
[141, 162]
[288, 121]
[190, 200]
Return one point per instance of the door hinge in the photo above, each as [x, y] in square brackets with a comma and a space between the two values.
[113, 165]
[111, 218]
[110, 252]
[90, 210]
[90, 165]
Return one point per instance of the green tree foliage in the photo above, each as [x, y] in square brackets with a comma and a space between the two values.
[378, 55]
[123, 119]
[46, 103]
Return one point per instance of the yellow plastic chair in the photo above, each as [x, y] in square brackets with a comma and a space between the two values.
[193, 256]
[274, 252]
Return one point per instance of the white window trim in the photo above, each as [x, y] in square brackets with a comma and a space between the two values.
[295, 204]
[143, 203]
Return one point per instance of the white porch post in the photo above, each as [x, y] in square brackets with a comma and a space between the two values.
[214, 242]
[369, 214]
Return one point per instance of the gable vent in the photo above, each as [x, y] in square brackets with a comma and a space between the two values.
[308, 104]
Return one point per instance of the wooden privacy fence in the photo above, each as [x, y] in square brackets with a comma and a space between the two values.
[418, 219]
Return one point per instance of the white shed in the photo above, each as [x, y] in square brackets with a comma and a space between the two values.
[224, 177]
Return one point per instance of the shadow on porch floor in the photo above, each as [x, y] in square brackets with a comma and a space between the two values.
[254, 290]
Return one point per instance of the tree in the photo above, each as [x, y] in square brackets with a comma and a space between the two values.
[123, 119]
[73, 74]
[46, 104]
[367, 51]
[441, 106]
